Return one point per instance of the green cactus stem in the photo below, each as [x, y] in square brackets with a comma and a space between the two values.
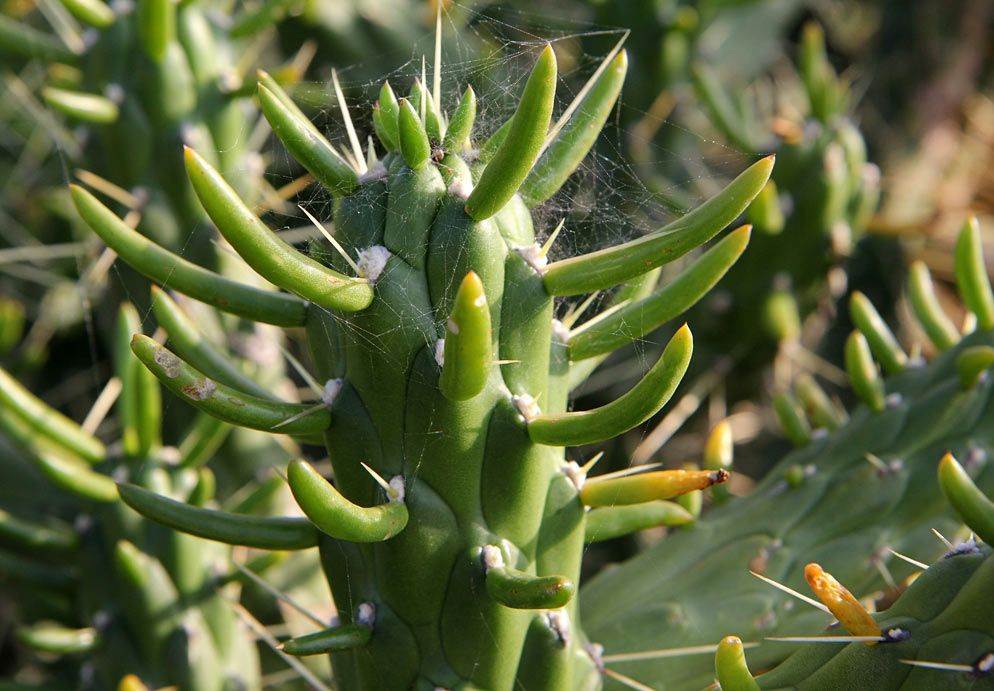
[451, 382]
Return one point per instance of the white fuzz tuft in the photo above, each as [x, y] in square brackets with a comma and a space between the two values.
[461, 188]
[596, 653]
[576, 474]
[986, 663]
[332, 388]
[398, 489]
[558, 621]
[492, 557]
[560, 331]
[366, 614]
[534, 255]
[114, 92]
[122, 8]
[440, 351]
[377, 171]
[372, 261]
[527, 406]
[169, 455]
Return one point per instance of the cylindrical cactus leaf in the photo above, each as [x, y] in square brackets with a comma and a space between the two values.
[519, 590]
[337, 516]
[92, 108]
[50, 423]
[577, 136]
[457, 134]
[971, 274]
[272, 258]
[863, 375]
[333, 640]
[224, 402]
[878, 335]
[972, 363]
[921, 292]
[468, 356]
[639, 404]
[194, 348]
[615, 521]
[609, 267]
[414, 144]
[308, 146]
[635, 320]
[59, 640]
[730, 666]
[970, 503]
[173, 271]
[233, 529]
[516, 155]
[647, 487]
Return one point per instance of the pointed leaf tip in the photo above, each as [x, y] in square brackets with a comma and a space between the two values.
[468, 342]
[973, 506]
[730, 666]
[516, 155]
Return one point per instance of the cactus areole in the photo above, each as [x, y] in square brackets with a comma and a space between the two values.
[453, 564]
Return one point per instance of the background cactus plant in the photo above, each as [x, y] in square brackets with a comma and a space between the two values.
[863, 485]
[159, 610]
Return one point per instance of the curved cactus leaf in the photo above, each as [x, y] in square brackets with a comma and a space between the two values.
[230, 528]
[224, 402]
[272, 258]
[609, 267]
[163, 266]
[516, 154]
[638, 405]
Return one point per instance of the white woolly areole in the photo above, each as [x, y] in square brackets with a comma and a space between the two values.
[533, 255]
[372, 261]
[170, 455]
[492, 557]
[398, 487]
[560, 331]
[440, 351]
[332, 388]
[461, 188]
[366, 614]
[377, 171]
[527, 406]
[114, 92]
[596, 653]
[576, 474]
[558, 621]
[986, 663]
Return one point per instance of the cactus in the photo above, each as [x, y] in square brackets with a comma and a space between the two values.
[937, 634]
[453, 532]
[857, 487]
[99, 587]
[809, 217]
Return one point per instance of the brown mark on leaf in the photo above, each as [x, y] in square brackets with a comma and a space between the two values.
[200, 389]
[169, 363]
